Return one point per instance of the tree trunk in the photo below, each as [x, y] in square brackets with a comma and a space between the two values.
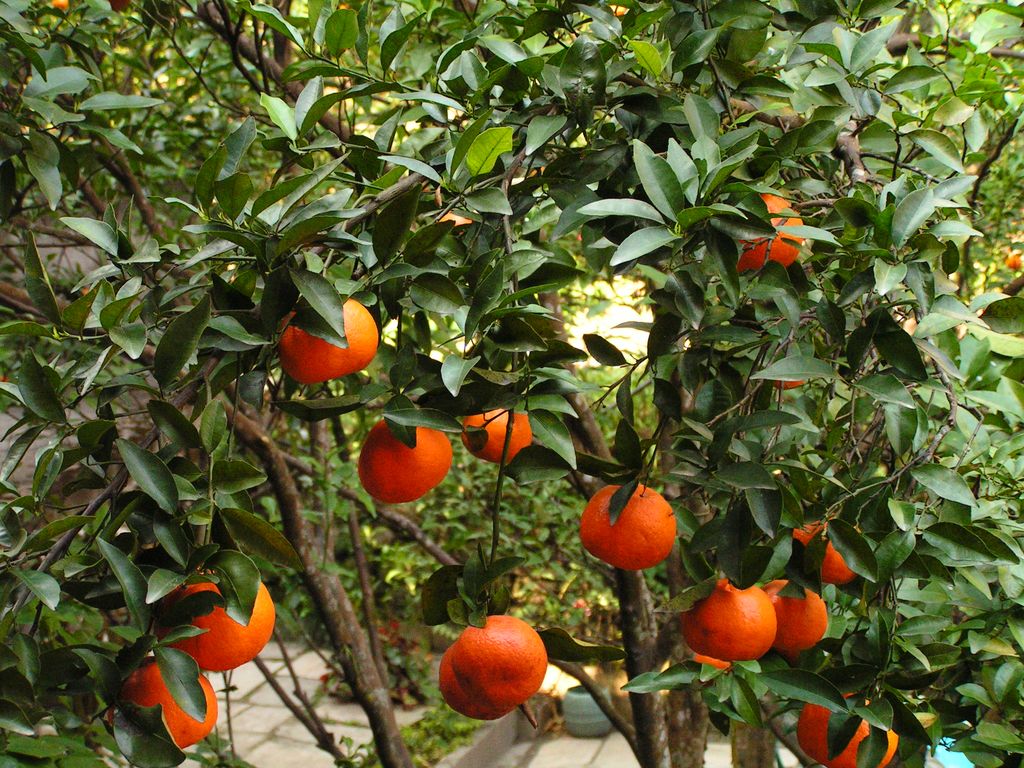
[752, 747]
[330, 597]
[640, 638]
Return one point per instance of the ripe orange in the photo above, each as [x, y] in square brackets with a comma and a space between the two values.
[60, 5]
[731, 624]
[812, 733]
[833, 567]
[789, 384]
[642, 536]
[802, 621]
[309, 359]
[145, 687]
[226, 644]
[489, 447]
[392, 472]
[700, 658]
[119, 5]
[618, 10]
[781, 248]
[488, 672]
[1013, 261]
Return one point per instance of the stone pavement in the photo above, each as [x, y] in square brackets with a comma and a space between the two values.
[266, 734]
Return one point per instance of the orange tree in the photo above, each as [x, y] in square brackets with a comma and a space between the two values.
[181, 181]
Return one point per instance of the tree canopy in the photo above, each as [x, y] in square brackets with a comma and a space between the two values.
[179, 181]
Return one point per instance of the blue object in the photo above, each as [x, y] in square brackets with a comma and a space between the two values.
[952, 759]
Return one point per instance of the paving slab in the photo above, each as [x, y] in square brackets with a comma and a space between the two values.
[615, 752]
[285, 753]
[566, 752]
[267, 697]
[309, 665]
[259, 719]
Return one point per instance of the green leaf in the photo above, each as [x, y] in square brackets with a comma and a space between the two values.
[174, 424]
[939, 146]
[454, 370]
[152, 475]
[42, 585]
[541, 129]
[648, 56]
[803, 685]
[320, 408]
[490, 200]
[640, 243]
[239, 582]
[98, 232]
[441, 588]
[258, 537]
[281, 114]
[561, 646]
[424, 417]
[911, 214]
[37, 283]
[393, 222]
[161, 583]
[550, 431]
[133, 583]
[944, 483]
[179, 342]
[796, 368]
[325, 301]
[854, 548]
[142, 737]
[233, 193]
[43, 161]
[487, 148]
[341, 31]
[621, 207]
[436, 293]
[1006, 315]
[659, 181]
[36, 391]
[233, 475]
[602, 350]
[110, 100]
[912, 77]
[180, 674]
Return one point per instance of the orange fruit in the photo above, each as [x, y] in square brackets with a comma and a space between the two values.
[309, 359]
[802, 621]
[392, 472]
[226, 644]
[812, 733]
[146, 688]
[60, 5]
[731, 624]
[781, 248]
[1013, 261]
[834, 569]
[488, 672]
[643, 534]
[789, 384]
[618, 10]
[700, 658]
[490, 447]
[119, 5]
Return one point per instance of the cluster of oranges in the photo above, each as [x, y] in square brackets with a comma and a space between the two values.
[223, 645]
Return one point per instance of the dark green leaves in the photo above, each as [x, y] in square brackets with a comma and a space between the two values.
[393, 222]
[151, 474]
[37, 283]
[180, 674]
[37, 391]
[563, 647]
[260, 538]
[179, 342]
[325, 301]
[803, 685]
[133, 583]
[944, 483]
[583, 78]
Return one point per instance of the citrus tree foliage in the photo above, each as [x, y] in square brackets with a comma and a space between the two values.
[282, 158]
